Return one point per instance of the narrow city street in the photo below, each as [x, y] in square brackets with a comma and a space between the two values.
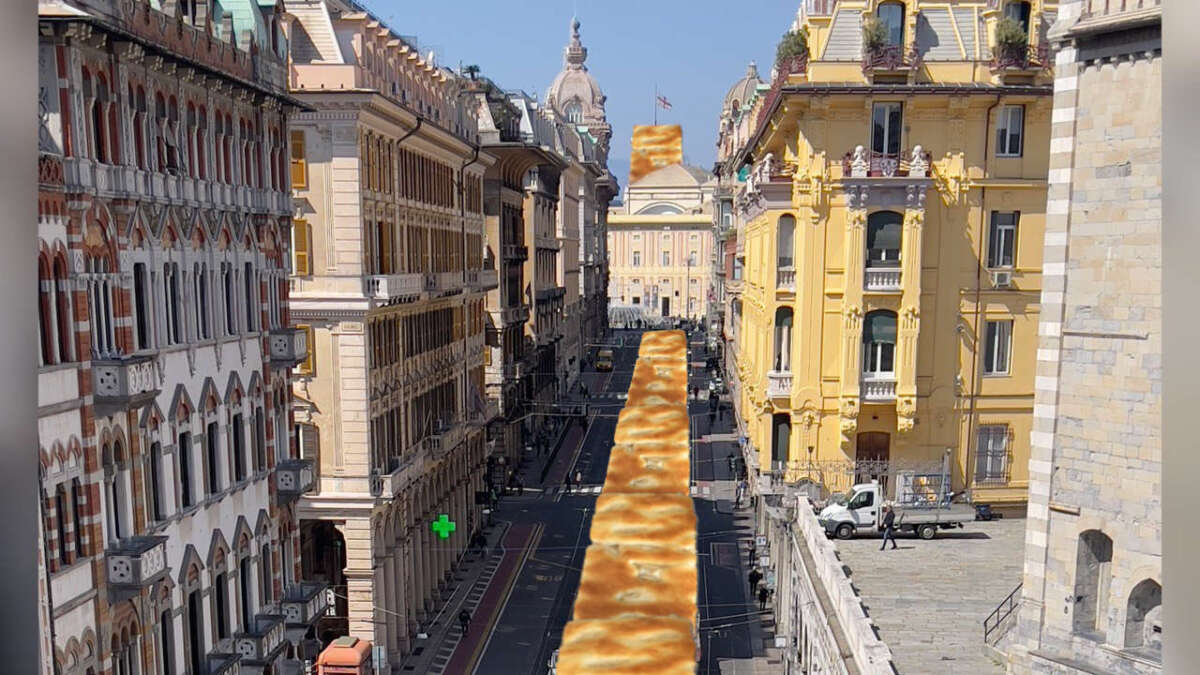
[522, 595]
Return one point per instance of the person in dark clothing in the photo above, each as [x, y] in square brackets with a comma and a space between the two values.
[753, 554]
[755, 576]
[763, 594]
[889, 527]
[578, 480]
[464, 619]
[520, 488]
[695, 391]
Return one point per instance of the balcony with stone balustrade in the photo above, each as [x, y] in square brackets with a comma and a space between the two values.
[124, 382]
[881, 279]
[288, 346]
[293, 478]
[878, 387]
[394, 286]
[135, 564]
[779, 384]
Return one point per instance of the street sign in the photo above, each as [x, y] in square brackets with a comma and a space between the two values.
[760, 541]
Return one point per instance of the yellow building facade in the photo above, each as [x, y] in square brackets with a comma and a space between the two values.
[894, 202]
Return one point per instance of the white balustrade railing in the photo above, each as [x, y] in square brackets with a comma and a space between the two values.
[779, 383]
[785, 279]
[881, 278]
[878, 387]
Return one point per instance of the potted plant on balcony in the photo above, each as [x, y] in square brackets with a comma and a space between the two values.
[1012, 44]
[792, 48]
[874, 35]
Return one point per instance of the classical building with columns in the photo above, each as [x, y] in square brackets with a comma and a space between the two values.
[1091, 599]
[389, 284]
[168, 469]
[894, 205]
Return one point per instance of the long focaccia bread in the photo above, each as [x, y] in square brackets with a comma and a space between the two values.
[636, 646]
[663, 343]
[657, 385]
[659, 468]
[663, 423]
[659, 519]
[625, 580]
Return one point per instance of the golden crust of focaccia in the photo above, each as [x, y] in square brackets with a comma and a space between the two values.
[663, 423]
[629, 580]
[649, 467]
[658, 519]
[635, 646]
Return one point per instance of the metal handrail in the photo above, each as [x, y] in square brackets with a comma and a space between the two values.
[1006, 607]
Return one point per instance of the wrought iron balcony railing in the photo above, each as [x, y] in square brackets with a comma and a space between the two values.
[1021, 57]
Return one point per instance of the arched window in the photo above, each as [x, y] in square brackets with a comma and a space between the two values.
[192, 141]
[173, 165]
[266, 591]
[202, 142]
[172, 313]
[46, 313]
[116, 478]
[1143, 618]
[879, 344]
[1018, 11]
[783, 339]
[78, 501]
[166, 641]
[62, 310]
[573, 112]
[786, 242]
[1093, 573]
[883, 238]
[61, 514]
[245, 597]
[100, 280]
[195, 631]
[137, 116]
[781, 438]
[161, 132]
[891, 15]
[200, 291]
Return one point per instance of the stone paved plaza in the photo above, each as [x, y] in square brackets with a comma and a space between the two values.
[929, 598]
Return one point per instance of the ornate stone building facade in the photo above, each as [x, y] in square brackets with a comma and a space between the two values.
[1091, 600]
[389, 282]
[894, 204]
[168, 468]
[661, 243]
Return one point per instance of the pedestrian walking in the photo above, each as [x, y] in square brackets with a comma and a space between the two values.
[583, 388]
[755, 576]
[695, 391]
[520, 488]
[753, 554]
[464, 619]
[888, 527]
[763, 594]
[578, 480]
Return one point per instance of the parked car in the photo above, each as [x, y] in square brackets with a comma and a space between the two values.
[604, 359]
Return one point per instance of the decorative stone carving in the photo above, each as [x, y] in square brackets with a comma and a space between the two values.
[853, 316]
[908, 318]
[917, 166]
[858, 164]
[849, 415]
[914, 196]
[906, 410]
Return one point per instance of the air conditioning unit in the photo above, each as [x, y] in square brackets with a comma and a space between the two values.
[1002, 279]
[781, 642]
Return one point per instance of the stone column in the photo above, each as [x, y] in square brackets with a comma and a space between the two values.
[910, 301]
[852, 304]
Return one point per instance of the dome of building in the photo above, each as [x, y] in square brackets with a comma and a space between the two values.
[743, 90]
[575, 95]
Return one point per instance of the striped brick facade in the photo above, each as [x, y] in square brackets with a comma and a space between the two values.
[1096, 447]
[125, 370]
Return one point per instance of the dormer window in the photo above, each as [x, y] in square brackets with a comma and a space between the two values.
[574, 112]
[891, 16]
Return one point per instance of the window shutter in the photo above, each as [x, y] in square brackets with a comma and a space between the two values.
[301, 246]
[299, 165]
[306, 366]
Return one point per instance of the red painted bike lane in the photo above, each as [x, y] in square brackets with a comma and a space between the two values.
[518, 542]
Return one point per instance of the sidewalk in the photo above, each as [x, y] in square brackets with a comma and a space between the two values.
[447, 649]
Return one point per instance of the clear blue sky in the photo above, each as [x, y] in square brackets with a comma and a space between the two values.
[693, 49]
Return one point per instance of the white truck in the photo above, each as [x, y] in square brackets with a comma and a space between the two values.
[862, 510]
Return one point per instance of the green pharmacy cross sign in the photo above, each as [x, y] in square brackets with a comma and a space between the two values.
[443, 526]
